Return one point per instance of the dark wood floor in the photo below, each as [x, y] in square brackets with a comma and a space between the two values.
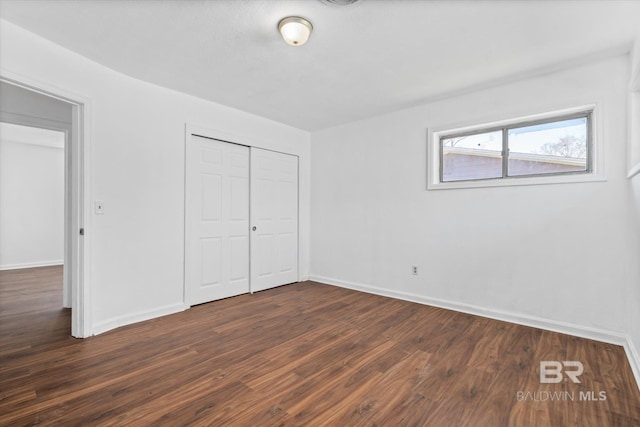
[302, 355]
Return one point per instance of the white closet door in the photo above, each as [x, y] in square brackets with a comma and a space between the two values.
[217, 220]
[274, 219]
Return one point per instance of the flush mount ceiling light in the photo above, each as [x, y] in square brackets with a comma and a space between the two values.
[340, 2]
[295, 30]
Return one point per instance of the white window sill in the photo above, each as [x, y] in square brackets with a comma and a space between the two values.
[510, 182]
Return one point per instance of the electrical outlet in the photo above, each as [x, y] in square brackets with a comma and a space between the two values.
[414, 270]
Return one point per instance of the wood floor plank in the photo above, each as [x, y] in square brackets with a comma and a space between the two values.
[304, 354]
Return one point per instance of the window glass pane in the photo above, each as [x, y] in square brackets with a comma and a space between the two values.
[548, 148]
[469, 157]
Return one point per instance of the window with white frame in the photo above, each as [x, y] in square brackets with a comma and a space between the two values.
[540, 149]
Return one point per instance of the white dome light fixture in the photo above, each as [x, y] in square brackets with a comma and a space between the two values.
[295, 30]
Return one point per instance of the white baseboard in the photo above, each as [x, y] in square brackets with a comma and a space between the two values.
[611, 337]
[521, 319]
[116, 322]
[634, 359]
[31, 264]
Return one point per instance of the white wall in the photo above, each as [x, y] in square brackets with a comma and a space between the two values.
[31, 197]
[634, 166]
[634, 293]
[137, 144]
[560, 256]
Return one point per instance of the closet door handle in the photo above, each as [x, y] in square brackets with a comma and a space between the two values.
[254, 228]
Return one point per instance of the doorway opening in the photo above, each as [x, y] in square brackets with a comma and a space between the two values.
[42, 132]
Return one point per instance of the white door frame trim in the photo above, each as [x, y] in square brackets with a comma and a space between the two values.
[80, 183]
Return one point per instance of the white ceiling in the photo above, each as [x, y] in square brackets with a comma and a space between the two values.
[365, 59]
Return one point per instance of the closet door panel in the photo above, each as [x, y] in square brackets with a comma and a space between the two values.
[274, 219]
[216, 220]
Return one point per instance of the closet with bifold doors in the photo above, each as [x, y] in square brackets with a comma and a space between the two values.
[241, 219]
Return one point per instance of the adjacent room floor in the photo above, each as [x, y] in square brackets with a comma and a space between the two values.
[303, 355]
